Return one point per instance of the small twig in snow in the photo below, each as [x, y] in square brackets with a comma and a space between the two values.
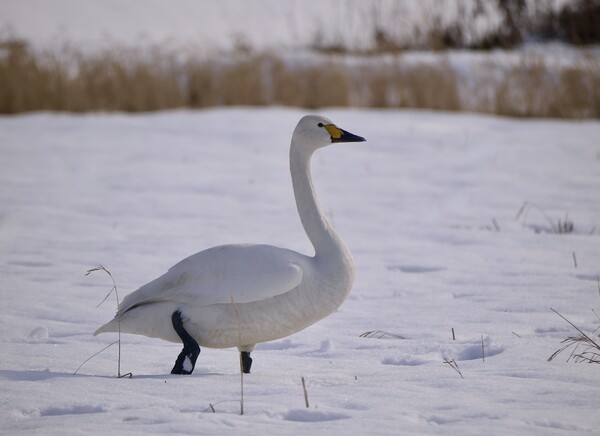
[380, 334]
[454, 366]
[560, 228]
[496, 226]
[114, 288]
[118, 341]
[525, 209]
[94, 355]
[482, 349]
[588, 356]
[305, 392]
[239, 323]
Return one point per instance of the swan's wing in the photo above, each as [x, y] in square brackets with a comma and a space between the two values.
[245, 273]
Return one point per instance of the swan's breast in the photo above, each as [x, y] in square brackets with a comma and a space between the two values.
[228, 325]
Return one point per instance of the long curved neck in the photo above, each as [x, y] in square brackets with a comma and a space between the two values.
[326, 242]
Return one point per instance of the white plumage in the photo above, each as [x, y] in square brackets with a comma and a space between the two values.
[240, 295]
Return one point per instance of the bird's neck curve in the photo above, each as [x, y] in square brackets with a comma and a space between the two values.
[327, 244]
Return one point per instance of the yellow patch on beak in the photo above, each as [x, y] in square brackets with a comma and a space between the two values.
[333, 131]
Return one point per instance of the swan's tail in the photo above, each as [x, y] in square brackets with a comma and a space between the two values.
[109, 327]
[152, 320]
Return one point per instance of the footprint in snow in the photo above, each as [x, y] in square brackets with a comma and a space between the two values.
[414, 269]
[471, 350]
[311, 415]
[72, 410]
[39, 334]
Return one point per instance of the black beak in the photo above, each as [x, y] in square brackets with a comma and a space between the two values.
[348, 137]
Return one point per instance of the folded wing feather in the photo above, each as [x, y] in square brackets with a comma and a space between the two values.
[245, 273]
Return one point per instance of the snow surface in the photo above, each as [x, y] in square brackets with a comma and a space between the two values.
[428, 207]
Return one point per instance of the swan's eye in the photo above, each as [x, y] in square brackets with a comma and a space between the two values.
[320, 124]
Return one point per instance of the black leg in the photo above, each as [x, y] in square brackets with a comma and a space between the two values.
[187, 358]
[246, 362]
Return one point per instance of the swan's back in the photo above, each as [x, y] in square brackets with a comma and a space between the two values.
[245, 273]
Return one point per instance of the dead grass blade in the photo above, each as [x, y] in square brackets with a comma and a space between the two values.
[114, 288]
[94, 355]
[118, 341]
[559, 228]
[482, 349]
[239, 323]
[380, 334]
[452, 363]
[591, 349]
[305, 392]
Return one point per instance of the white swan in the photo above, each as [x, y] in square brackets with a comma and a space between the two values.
[240, 295]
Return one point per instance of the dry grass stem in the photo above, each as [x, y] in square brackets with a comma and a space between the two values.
[482, 349]
[591, 349]
[94, 355]
[380, 334]
[118, 341]
[239, 325]
[114, 288]
[560, 227]
[452, 363]
[305, 392]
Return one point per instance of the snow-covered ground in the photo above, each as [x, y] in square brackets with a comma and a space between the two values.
[428, 207]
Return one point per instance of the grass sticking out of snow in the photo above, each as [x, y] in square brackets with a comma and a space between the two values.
[136, 79]
[583, 347]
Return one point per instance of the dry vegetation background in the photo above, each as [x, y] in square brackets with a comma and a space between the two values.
[328, 73]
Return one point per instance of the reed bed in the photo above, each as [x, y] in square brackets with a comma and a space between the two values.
[135, 80]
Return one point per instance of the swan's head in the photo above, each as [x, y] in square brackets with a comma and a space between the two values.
[314, 131]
